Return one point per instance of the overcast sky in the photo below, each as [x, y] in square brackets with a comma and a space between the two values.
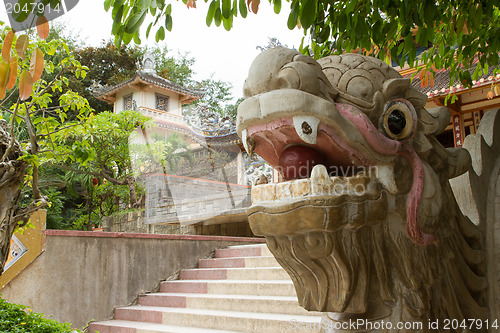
[227, 55]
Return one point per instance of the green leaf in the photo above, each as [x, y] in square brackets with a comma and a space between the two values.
[144, 4]
[25, 9]
[148, 30]
[127, 38]
[307, 13]
[160, 34]
[117, 20]
[243, 9]
[478, 16]
[117, 13]
[234, 10]
[134, 22]
[323, 35]
[277, 6]
[228, 23]
[218, 16]
[107, 4]
[294, 15]
[211, 11]
[168, 22]
[226, 9]
[351, 5]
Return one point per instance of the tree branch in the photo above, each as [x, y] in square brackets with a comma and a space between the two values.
[95, 174]
[23, 214]
[11, 130]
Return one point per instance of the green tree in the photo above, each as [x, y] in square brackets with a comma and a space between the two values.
[177, 69]
[160, 154]
[99, 147]
[216, 94]
[30, 122]
[455, 33]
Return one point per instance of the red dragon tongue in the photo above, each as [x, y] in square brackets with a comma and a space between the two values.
[298, 161]
[384, 145]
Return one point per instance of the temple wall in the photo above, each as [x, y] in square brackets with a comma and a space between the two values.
[149, 100]
[83, 275]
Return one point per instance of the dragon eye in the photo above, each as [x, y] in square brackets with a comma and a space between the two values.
[399, 120]
[396, 122]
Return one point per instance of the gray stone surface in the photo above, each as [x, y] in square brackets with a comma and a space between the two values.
[173, 199]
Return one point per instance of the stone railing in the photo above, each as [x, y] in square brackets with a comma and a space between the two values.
[162, 115]
[184, 200]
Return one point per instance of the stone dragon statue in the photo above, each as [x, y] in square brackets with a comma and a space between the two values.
[364, 219]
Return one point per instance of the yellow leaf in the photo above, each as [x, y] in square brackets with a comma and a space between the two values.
[36, 65]
[7, 45]
[497, 90]
[421, 74]
[12, 74]
[22, 45]
[424, 81]
[25, 85]
[4, 75]
[255, 6]
[431, 80]
[42, 27]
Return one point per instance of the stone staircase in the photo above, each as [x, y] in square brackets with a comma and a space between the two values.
[242, 289]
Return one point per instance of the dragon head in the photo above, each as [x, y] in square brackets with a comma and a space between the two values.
[363, 200]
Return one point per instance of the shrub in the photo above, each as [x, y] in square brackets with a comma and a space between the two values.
[19, 318]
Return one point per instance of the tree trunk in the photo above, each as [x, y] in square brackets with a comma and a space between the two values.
[12, 173]
[133, 193]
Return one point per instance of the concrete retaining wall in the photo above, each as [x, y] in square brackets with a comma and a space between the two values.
[83, 275]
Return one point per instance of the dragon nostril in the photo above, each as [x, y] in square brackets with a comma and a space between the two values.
[306, 128]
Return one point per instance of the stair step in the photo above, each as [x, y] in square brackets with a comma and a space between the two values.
[255, 250]
[216, 319]
[236, 287]
[124, 326]
[247, 303]
[252, 273]
[238, 262]
[242, 289]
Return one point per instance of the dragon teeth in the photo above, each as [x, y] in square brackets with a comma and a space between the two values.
[319, 184]
[248, 142]
[306, 128]
[385, 175]
[320, 180]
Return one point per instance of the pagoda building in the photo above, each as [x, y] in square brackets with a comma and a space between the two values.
[467, 107]
[209, 183]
